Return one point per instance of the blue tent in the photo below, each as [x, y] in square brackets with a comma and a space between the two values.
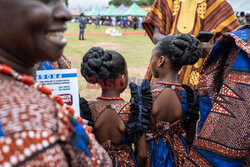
[122, 9]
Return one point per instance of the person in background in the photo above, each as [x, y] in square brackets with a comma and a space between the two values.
[125, 23]
[140, 22]
[135, 23]
[82, 22]
[98, 20]
[122, 22]
[242, 19]
[189, 17]
[248, 18]
[36, 127]
[117, 123]
[113, 21]
[175, 106]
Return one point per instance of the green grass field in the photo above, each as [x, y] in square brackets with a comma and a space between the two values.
[136, 49]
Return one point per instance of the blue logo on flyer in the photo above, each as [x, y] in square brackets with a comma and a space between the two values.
[56, 76]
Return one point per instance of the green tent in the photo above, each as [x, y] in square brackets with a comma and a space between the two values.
[135, 10]
[94, 12]
[109, 11]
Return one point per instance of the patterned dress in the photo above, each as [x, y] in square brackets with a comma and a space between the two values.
[36, 131]
[224, 100]
[121, 153]
[190, 17]
[166, 145]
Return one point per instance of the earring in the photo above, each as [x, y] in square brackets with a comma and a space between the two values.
[159, 66]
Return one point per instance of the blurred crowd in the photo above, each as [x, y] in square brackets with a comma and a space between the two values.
[243, 18]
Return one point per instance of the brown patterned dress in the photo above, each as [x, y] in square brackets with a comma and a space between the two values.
[121, 153]
[36, 131]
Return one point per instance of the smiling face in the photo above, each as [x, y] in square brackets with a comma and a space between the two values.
[32, 30]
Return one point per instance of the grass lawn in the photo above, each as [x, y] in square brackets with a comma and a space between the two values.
[136, 50]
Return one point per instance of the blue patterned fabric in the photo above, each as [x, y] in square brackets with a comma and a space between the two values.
[219, 160]
[80, 138]
[205, 108]
[161, 155]
[242, 62]
[223, 140]
[183, 101]
[243, 34]
[46, 66]
[218, 51]
[1, 131]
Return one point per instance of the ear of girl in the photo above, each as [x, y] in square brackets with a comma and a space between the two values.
[161, 61]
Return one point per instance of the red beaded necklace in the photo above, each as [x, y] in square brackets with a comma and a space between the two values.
[110, 98]
[29, 80]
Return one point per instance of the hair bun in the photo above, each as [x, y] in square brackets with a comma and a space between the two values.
[186, 50]
[97, 64]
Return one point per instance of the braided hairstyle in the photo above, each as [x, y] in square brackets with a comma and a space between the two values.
[182, 49]
[102, 65]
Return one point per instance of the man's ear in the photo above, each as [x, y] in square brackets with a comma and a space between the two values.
[161, 61]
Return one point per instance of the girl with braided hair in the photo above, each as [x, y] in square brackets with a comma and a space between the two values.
[174, 107]
[117, 124]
